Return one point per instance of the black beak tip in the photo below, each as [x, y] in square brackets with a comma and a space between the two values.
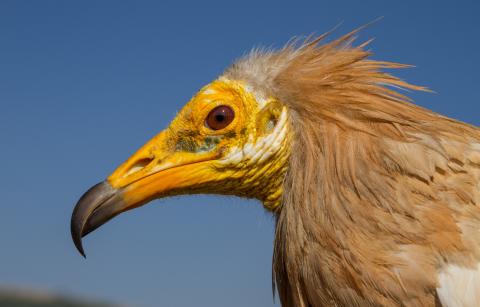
[80, 250]
[81, 223]
[77, 238]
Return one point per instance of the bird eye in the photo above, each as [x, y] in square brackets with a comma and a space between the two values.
[219, 118]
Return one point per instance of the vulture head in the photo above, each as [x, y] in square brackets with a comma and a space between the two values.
[374, 197]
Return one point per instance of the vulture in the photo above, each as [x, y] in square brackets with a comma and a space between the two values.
[376, 200]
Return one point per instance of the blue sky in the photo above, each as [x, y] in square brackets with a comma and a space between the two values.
[84, 84]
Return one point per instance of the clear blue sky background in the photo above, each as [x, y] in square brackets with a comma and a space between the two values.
[85, 83]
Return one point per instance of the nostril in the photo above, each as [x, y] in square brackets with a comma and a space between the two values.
[139, 165]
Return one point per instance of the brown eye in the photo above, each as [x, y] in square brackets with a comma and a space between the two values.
[219, 118]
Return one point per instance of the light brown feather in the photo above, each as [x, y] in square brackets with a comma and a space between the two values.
[380, 193]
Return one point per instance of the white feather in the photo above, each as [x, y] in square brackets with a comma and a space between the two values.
[459, 286]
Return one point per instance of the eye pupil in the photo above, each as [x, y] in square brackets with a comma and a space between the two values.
[219, 118]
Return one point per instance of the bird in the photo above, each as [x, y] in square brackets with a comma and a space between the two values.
[375, 199]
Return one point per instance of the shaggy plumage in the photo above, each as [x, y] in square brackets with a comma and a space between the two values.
[380, 195]
[376, 200]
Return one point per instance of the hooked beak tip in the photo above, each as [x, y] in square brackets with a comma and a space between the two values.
[77, 237]
[98, 205]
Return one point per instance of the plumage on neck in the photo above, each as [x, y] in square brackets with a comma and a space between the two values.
[376, 197]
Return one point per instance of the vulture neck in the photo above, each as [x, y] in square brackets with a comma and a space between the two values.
[361, 198]
[379, 193]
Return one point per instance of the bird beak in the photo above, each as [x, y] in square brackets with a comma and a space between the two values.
[154, 171]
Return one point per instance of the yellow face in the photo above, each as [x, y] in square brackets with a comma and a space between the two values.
[226, 140]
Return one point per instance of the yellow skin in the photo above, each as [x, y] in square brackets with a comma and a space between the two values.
[247, 158]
